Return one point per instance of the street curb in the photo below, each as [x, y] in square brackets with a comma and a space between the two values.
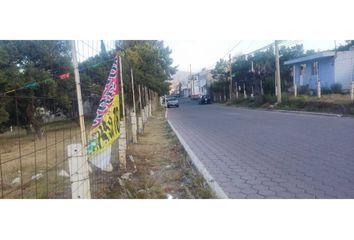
[304, 112]
[295, 112]
[215, 187]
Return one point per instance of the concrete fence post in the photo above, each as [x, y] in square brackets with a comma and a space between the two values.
[122, 146]
[79, 172]
[134, 126]
[143, 114]
[140, 125]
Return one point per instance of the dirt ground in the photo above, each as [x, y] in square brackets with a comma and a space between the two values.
[24, 156]
[160, 168]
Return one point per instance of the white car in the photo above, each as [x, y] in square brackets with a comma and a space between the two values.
[172, 102]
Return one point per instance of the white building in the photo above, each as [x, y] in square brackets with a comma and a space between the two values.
[201, 83]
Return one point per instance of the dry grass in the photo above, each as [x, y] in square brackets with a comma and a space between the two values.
[24, 156]
[330, 98]
[162, 167]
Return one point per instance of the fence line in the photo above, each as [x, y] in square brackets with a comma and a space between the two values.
[34, 158]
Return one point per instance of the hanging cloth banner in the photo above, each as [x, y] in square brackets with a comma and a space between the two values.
[105, 127]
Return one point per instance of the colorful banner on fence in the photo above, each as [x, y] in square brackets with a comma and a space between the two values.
[105, 127]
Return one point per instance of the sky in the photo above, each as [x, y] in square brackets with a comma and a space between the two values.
[205, 53]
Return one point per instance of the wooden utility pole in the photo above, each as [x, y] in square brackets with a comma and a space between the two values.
[277, 75]
[230, 90]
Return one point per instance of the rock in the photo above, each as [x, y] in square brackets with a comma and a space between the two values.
[16, 181]
[108, 168]
[133, 161]
[121, 182]
[131, 158]
[37, 176]
[126, 176]
[63, 173]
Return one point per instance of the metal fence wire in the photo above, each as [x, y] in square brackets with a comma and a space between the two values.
[35, 141]
[34, 163]
[41, 150]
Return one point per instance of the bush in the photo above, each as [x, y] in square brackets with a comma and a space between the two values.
[269, 98]
[336, 88]
[326, 90]
[304, 90]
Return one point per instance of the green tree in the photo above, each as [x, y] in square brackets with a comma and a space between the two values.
[345, 47]
[151, 63]
[260, 78]
[32, 68]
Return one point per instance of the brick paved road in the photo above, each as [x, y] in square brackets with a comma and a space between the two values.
[262, 154]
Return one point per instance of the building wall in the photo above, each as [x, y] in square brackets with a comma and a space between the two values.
[325, 70]
[344, 68]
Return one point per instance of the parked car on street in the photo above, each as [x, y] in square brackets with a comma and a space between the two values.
[172, 102]
[205, 99]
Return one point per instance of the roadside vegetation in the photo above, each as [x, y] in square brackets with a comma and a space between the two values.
[254, 77]
[158, 167]
[331, 103]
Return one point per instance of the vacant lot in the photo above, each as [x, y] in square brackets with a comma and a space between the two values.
[30, 166]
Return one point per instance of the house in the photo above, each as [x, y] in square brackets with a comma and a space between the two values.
[201, 82]
[329, 67]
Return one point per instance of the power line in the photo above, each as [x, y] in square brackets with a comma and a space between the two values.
[232, 48]
[238, 43]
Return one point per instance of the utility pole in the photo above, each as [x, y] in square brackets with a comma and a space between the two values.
[192, 83]
[294, 80]
[277, 75]
[351, 78]
[318, 82]
[231, 97]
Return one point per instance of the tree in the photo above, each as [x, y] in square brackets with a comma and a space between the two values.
[348, 44]
[151, 63]
[261, 77]
[31, 68]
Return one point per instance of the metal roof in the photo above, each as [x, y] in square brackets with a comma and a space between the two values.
[311, 57]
